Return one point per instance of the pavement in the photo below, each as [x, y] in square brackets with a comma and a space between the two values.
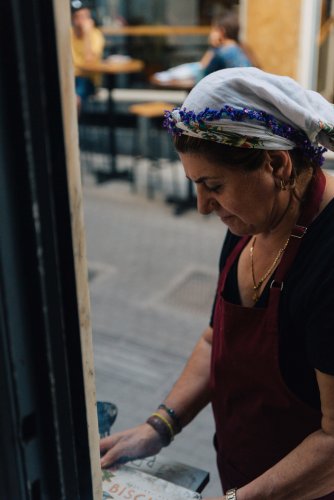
[152, 280]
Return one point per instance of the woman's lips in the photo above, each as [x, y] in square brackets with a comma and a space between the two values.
[225, 218]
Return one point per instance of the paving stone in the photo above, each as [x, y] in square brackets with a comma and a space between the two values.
[152, 280]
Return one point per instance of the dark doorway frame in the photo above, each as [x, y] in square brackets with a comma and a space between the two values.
[43, 413]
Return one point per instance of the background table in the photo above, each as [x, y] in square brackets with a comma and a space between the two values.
[156, 30]
[114, 66]
[110, 68]
[173, 83]
[190, 201]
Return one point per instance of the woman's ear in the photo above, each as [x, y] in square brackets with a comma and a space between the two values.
[280, 162]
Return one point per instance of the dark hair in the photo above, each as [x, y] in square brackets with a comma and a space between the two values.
[247, 159]
[229, 23]
[77, 5]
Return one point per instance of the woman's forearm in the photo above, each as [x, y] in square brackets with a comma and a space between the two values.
[305, 473]
[191, 391]
[189, 394]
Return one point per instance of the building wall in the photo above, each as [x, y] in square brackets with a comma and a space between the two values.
[272, 30]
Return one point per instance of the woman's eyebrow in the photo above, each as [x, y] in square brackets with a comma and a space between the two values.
[200, 180]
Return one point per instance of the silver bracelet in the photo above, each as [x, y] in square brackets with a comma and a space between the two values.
[231, 494]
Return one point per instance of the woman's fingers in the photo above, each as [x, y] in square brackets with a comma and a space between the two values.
[112, 448]
[140, 442]
[115, 456]
[107, 443]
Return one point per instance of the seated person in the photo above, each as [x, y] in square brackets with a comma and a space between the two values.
[225, 52]
[87, 43]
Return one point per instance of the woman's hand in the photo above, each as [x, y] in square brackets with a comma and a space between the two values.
[138, 442]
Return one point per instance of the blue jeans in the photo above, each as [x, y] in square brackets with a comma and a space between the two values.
[84, 87]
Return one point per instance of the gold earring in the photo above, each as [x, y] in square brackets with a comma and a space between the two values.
[283, 185]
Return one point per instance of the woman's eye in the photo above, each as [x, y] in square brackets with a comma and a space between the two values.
[214, 189]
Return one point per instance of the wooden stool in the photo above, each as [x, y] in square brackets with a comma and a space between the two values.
[149, 122]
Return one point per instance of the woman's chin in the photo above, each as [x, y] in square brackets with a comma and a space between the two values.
[237, 227]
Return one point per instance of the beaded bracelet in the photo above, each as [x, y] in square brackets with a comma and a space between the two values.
[173, 415]
[163, 428]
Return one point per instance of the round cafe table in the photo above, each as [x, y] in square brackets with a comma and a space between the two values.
[173, 84]
[114, 66]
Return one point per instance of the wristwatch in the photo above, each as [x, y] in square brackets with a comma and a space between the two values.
[231, 494]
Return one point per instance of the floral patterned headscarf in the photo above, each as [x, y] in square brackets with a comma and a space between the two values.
[249, 108]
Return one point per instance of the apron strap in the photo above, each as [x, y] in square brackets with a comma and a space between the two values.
[309, 212]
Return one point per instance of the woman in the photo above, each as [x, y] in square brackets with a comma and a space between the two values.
[226, 51]
[250, 141]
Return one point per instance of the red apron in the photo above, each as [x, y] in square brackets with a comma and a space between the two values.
[258, 420]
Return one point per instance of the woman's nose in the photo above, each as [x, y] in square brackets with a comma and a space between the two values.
[205, 201]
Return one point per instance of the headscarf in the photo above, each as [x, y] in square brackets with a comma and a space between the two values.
[249, 108]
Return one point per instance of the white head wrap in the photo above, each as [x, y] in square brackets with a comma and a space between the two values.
[247, 107]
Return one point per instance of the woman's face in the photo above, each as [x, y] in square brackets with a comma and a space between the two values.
[81, 18]
[247, 202]
[216, 37]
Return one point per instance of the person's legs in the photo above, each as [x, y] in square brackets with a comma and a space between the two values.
[83, 89]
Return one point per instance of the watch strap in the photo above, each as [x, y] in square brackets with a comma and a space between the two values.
[231, 494]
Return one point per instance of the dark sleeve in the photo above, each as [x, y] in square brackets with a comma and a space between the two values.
[320, 325]
[229, 243]
[216, 63]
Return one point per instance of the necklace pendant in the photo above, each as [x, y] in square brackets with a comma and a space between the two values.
[257, 286]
